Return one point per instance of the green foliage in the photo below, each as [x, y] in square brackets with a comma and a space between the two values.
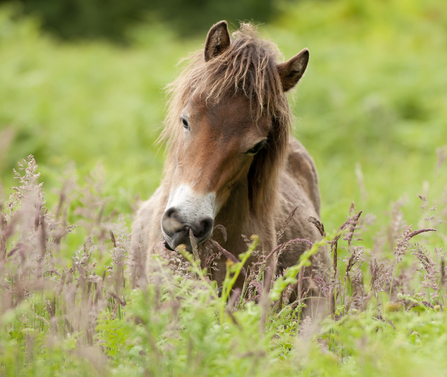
[373, 98]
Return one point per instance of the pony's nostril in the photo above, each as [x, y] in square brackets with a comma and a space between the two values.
[171, 212]
[205, 228]
[170, 222]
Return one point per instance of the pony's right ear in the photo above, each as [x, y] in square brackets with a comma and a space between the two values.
[217, 41]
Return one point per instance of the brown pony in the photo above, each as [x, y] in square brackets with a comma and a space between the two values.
[232, 159]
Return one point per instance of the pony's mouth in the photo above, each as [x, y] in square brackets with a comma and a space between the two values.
[185, 237]
[167, 246]
[187, 248]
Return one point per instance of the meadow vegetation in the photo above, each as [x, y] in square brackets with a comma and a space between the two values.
[371, 110]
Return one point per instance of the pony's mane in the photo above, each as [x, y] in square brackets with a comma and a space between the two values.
[247, 67]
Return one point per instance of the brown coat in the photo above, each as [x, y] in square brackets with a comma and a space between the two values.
[232, 160]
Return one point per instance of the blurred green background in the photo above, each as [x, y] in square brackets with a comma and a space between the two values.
[83, 81]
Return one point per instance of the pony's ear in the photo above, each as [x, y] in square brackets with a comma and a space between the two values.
[291, 71]
[217, 41]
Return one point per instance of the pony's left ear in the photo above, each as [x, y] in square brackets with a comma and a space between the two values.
[291, 71]
[217, 41]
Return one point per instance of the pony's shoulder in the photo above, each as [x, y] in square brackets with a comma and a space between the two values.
[301, 166]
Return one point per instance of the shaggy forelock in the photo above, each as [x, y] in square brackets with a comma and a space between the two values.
[247, 68]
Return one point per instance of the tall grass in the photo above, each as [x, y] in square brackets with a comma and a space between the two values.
[89, 313]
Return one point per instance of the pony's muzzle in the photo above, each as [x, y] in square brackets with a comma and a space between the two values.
[176, 230]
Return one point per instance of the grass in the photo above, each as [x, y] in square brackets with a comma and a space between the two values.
[372, 112]
[89, 313]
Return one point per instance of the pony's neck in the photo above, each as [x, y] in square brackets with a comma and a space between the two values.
[235, 212]
[238, 218]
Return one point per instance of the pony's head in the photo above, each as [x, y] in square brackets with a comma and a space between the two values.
[228, 124]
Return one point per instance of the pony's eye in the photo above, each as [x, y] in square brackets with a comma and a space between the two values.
[185, 123]
[256, 148]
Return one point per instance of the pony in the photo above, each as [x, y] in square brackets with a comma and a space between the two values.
[231, 157]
